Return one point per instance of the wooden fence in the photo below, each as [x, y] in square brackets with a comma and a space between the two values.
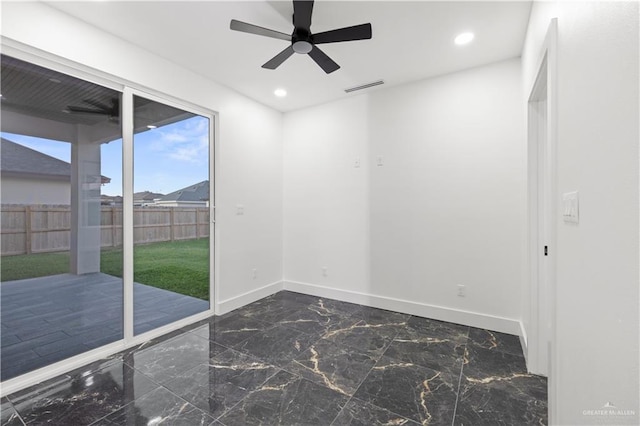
[42, 229]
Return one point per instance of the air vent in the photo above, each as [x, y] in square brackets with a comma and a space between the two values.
[364, 86]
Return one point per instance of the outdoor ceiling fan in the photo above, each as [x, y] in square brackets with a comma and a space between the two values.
[302, 40]
[112, 111]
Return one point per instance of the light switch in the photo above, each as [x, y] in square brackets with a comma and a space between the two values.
[570, 210]
[239, 210]
[379, 160]
[356, 163]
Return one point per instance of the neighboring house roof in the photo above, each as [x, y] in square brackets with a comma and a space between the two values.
[146, 196]
[19, 161]
[111, 199]
[193, 193]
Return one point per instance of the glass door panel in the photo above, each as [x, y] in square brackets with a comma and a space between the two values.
[61, 199]
[171, 214]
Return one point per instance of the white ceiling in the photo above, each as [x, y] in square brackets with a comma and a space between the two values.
[411, 41]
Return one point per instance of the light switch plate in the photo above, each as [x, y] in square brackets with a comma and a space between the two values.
[570, 210]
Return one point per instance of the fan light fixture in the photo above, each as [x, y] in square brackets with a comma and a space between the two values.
[281, 93]
[463, 38]
[302, 47]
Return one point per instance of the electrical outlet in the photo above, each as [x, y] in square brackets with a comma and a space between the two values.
[324, 271]
[462, 291]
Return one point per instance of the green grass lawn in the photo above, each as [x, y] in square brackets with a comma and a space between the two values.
[179, 266]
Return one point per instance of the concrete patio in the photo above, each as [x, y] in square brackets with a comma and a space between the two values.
[48, 319]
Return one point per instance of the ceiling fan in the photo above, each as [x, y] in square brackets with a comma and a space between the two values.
[302, 40]
[112, 111]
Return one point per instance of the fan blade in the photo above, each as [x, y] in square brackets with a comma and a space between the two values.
[277, 60]
[96, 104]
[254, 29]
[357, 32]
[81, 110]
[302, 10]
[325, 62]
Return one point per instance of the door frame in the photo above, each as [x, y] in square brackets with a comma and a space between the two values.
[541, 341]
[45, 59]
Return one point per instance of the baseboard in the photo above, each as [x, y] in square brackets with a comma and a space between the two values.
[224, 306]
[457, 316]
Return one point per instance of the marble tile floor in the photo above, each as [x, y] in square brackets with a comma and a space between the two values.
[48, 319]
[293, 359]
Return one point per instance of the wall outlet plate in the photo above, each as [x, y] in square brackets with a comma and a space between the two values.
[462, 291]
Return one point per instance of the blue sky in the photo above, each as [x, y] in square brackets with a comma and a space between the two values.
[165, 159]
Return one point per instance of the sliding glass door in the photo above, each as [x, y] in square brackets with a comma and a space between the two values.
[171, 204]
[62, 288]
[106, 208]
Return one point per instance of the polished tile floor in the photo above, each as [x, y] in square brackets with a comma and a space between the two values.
[293, 359]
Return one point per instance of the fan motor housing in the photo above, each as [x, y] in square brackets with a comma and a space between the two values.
[301, 41]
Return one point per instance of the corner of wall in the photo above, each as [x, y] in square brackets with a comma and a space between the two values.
[524, 342]
[224, 306]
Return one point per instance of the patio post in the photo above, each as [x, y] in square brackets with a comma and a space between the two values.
[85, 206]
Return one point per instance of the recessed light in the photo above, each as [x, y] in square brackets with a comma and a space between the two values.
[281, 93]
[463, 38]
[151, 126]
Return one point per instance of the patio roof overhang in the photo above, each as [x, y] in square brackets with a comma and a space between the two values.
[37, 101]
[104, 131]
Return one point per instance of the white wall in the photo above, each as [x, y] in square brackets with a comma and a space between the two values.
[250, 137]
[35, 191]
[326, 203]
[446, 207]
[597, 325]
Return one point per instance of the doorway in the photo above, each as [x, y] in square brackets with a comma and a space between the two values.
[540, 299]
[541, 249]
